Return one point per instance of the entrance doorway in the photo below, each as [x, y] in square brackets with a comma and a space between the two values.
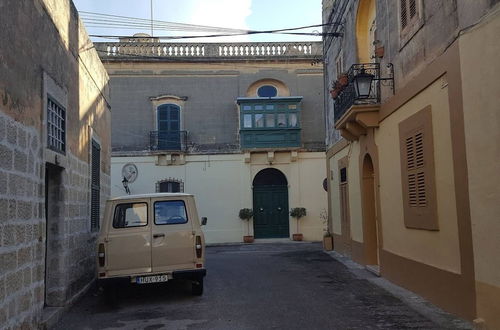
[270, 204]
[369, 213]
[54, 214]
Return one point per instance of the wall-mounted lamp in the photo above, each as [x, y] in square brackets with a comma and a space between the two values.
[125, 185]
[363, 79]
[363, 84]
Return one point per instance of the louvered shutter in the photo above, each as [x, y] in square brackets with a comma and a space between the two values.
[409, 16]
[417, 167]
[404, 14]
[412, 4]
[95, 186]
[416, 170]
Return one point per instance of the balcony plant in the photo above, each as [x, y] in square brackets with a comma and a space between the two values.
[339, 85]
[246, 214]
[298, 213]
[336, 89]
[327, 236]
[334, 93]
[343, 79]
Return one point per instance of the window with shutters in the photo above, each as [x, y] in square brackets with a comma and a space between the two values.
[410, 19]
[170, 185]
[95, 200]
[417, 169]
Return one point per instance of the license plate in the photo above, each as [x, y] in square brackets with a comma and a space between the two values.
[151, 279]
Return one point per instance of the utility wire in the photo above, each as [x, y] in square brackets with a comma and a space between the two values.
[250, 32]
[103, 19]
[114, 21]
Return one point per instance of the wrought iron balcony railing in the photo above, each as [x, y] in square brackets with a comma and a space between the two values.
[168, 140]
[348, 96]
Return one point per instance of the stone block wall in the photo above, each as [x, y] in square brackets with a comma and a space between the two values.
[22, 225]
[23, 234]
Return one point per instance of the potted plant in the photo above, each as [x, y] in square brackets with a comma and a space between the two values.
[327, 236]
[334, 93]
[343, 79]
[297, 213]
[246, 214]
[337, 88]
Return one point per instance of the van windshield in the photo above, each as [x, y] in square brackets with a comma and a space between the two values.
[170, 212]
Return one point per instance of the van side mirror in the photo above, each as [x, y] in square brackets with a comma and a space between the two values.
[203, 221]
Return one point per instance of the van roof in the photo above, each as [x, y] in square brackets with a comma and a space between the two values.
[152, 195]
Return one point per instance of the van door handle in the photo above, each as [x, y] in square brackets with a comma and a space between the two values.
[158, 235]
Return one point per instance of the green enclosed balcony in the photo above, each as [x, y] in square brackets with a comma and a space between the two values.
[270, 122]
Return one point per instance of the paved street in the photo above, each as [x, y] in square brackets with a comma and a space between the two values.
[259, 286]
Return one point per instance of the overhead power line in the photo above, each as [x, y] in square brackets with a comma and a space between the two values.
[103, 20]
[97, 20]
[279, 31]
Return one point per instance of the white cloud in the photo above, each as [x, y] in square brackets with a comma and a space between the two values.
[222, 13]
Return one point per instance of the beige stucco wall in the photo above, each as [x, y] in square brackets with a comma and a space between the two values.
[222, 185]
[481, 102]
[435, 248]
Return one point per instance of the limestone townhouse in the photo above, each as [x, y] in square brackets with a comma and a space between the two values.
[412, 133]
[239, 125]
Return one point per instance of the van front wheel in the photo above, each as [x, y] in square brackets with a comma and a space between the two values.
[197, 287]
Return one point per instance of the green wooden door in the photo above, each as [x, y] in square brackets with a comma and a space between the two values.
[270, 204]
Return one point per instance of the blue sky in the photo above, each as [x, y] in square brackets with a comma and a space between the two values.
[242, 14]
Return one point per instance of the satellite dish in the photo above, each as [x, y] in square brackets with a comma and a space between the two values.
[130, 172]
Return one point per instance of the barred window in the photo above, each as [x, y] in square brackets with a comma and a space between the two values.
[56, 126]
[170, 185]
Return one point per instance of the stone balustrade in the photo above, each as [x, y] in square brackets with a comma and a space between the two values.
[241, 50]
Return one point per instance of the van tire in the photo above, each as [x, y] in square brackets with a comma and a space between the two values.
[197, 287]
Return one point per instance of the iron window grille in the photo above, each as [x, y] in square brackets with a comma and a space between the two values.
[170, 185]
[168, 140]
[56, 126]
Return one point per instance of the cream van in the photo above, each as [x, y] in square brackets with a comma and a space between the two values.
[149, 239]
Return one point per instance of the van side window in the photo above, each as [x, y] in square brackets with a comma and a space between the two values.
[130, 215]
[170, 213]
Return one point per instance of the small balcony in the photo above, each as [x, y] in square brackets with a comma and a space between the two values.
[357, 100]
[168, 141]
